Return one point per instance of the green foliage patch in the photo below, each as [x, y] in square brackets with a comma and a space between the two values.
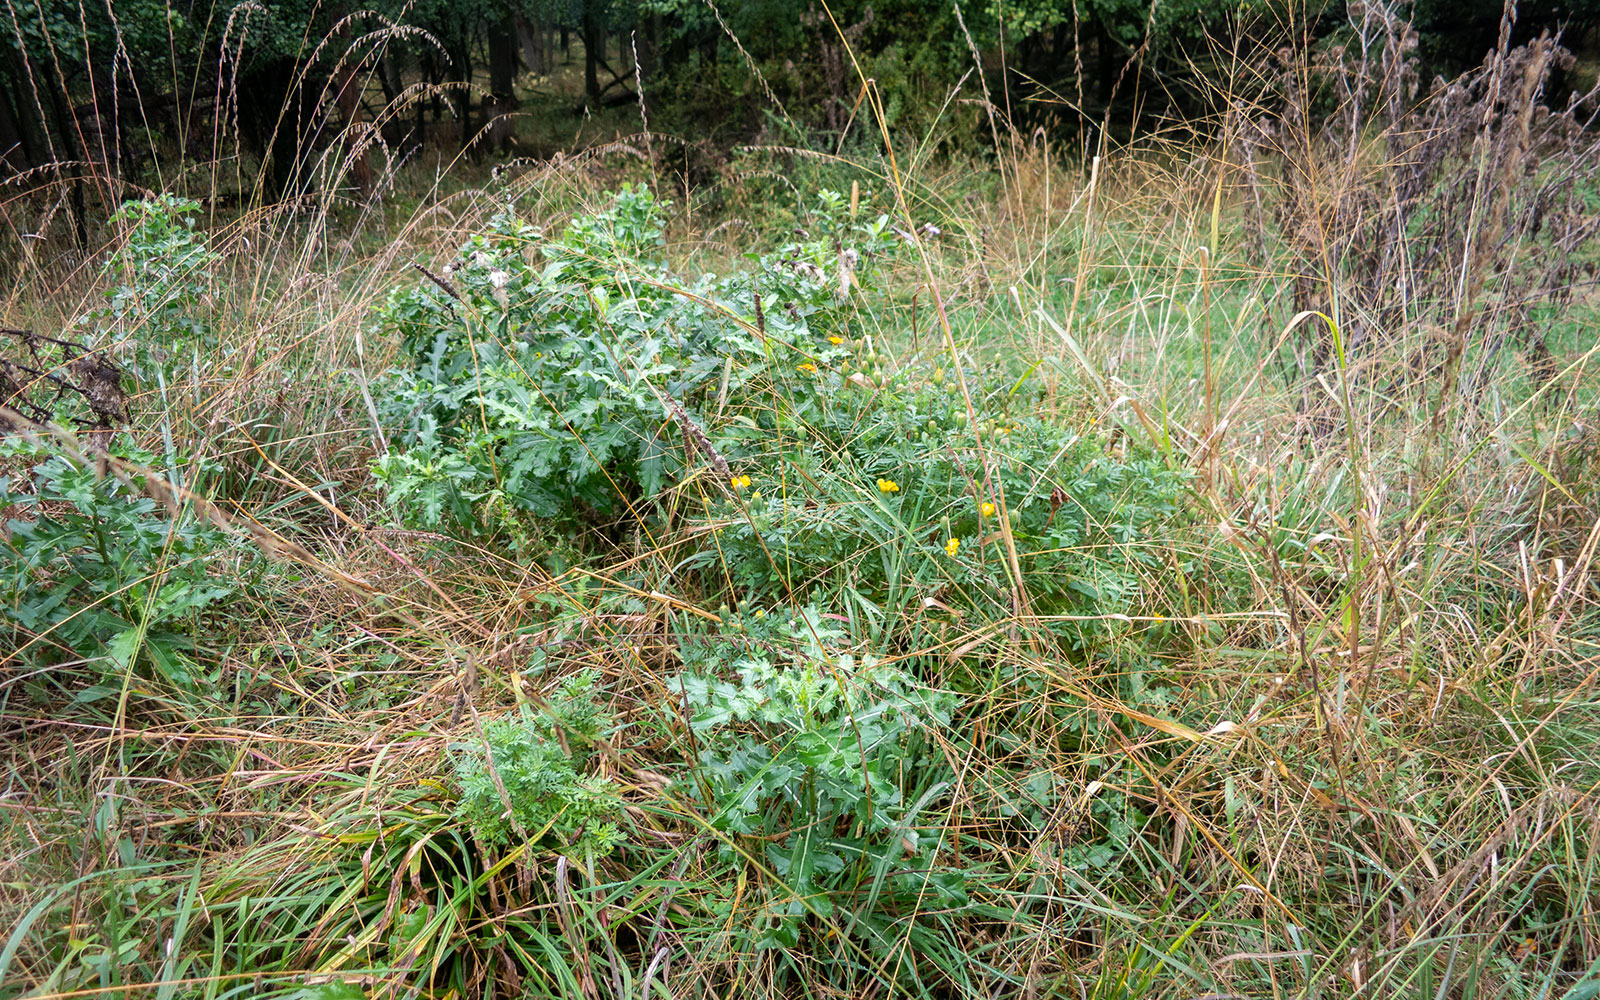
[820, 766]
[549, 377]
[525, 779]
[163, 275]
[553, 378]
[93, 575]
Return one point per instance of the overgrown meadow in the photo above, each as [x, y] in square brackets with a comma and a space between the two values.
[1140, 570]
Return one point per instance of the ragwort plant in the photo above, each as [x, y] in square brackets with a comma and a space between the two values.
[887, 491]
[94, 571]
[163, 272]
[752, 420]
[556, 377]
[820, 767]
[578, 375]
[470, 867]
[525, 778]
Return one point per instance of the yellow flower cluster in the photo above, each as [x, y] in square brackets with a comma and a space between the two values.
[952, 547]
[888, 486]
[740, 482]
[987, 509]
[808, 368]
[835, 341]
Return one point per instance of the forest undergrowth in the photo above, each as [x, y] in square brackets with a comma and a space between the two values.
[1141, 570]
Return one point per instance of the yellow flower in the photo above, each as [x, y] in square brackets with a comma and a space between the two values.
[987, 510]
[888, 486]
[951, 547]
[739, 482]
[808, 368]
[835, 341]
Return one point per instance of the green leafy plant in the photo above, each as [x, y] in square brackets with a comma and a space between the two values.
[431, 880]
[892, 492]
[95, 574]
[818, 766]
[163, 270]
[525, 779]
[552, 377]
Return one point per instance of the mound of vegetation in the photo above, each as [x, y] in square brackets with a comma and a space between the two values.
[1168, 575]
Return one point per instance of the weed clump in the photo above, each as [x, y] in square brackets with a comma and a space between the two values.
[820, 764]
[525, 779]
[554, 377]
[104, 587]
[92, 574]
[754, 412]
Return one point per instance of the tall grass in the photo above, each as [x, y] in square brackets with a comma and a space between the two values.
[1339, 741]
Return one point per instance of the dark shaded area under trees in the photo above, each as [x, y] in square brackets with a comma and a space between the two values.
[93, 90]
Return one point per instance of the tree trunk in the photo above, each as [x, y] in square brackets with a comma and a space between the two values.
[503, 38]
[20, 130]
[419, 134]
[1109, 64]
[529, 36]
[460, 75]
[650, 54]
[502, 98]
[389, 77]
[67, 126]
[429, 65]
[347, 90]
[13, 159]
[593, 38]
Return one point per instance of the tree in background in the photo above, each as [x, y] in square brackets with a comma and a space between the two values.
[96, 90]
